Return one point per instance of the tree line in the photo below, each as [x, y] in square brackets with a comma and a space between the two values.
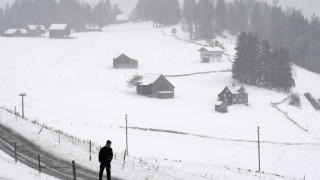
[45, 12]
[258, 63]
[290, 29]
[161, 12]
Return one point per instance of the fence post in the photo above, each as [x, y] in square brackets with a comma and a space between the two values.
[15, 152]
[124, 156]
[39, 163]
[74, 170]
[90, 151]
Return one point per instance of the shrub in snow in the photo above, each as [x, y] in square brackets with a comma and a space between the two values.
[295, 100]
[134, 80]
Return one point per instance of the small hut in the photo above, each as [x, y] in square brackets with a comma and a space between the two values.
[36, 30]
[155, 86]
[221, 107]
[123, 61]
[59, 31]
[16, 33]
[120, 19]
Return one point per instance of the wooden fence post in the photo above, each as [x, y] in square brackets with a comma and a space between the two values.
[74, 170]
[39, 163]
[124, 156]
[15, 152]
[90, 151]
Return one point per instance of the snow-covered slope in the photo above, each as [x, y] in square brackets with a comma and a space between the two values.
[16, 171]
[70, 85]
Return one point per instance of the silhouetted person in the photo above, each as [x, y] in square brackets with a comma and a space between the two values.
[105, 158]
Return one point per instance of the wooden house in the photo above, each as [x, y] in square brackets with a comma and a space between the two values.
[221, 106]
[122, 19]
[124, 61]
[209, 53]
[233, 95]
[36, 30]
[59, 31]
[16, 33]
[155, 86]
[89, 27]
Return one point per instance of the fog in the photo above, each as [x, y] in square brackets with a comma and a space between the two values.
[308, 7]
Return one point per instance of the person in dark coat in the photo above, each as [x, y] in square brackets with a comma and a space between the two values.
[105, 158]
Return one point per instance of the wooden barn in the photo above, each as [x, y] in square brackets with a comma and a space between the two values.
[124, 61]
[155, 86]
[16, 33]
[122, 19]
[36, 30]
[233, 95]
[59, 31]
[209, 53]
[221, 107]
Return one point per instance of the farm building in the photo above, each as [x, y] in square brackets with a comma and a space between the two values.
[124, 61]
[122, 19]
[221, 107]
[155, 86]
[16, 33]
[209, 53]
[59, 31]
[91, 27]
[233, 95]
[36, 30]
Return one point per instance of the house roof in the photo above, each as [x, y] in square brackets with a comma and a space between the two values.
[10, 31]
[122, 17]
[149, 79]
[58, 26]
[235, 89]
[124, 56]
[23, 31]
[34, 27]
[213, 49]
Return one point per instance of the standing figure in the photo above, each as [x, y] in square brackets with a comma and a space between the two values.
[105, 158]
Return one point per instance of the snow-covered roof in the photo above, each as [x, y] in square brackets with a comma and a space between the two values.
[218, 103]
[10, 31]
[34, 27]
[235, 89]
[23, 31]
[149, 79]
[58, 26]
[122, 18]
[211, 49]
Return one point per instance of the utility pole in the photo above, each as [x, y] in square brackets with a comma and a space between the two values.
[127, 134]
[259, 147]
[22, 95]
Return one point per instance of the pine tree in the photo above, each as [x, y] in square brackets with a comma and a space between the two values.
[204, 20]
[265, 63]
[189, 13]
[257, 21]
[239, 65]
[285, 71]
[221, 16]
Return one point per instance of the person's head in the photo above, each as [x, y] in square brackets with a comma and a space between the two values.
[108, 143]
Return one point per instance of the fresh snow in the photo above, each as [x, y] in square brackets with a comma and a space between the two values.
[71, 86]
[10, 170]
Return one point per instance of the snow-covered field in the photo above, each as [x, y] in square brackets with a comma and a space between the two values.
[71, 86]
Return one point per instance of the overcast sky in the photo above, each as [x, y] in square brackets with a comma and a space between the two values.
[308, 7]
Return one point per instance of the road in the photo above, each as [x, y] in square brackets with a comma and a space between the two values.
[28, 154]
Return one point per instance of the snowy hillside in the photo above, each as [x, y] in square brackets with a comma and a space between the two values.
[9, 170]
[71, 86]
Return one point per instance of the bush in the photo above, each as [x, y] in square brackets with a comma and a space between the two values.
[295, 100]
[134, 80]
